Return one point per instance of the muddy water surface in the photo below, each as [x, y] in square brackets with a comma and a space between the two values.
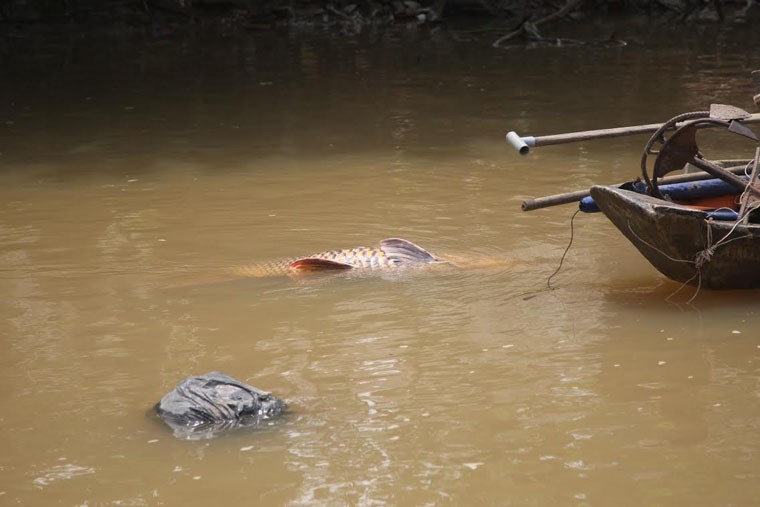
[131, 170]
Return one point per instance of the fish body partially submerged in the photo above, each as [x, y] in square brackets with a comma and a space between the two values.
[389, 254]
[390, 258]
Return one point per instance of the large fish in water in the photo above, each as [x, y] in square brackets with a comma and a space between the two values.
[389, 254]
[392, 256]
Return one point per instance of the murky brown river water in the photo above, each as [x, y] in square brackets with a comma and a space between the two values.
[129, 171]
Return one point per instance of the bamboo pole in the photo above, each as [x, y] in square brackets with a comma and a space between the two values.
[568, 197]
[523, 144]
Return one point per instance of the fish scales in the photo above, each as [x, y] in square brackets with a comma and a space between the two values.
[359, 257]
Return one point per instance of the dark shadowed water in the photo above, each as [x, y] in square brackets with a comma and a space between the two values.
[133, 171]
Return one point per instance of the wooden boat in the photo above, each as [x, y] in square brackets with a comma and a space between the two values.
[684, 243]
[709, 245]
[692, 240]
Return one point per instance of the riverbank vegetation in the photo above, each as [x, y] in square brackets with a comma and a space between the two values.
[517, 17]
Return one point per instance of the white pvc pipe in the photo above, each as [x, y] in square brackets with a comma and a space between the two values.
[521, 144]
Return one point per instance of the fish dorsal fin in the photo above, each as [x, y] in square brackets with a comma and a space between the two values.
[316, 264]
[405, 251]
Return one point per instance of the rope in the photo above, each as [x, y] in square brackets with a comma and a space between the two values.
[705, 255]
[658, 137]
[562, 259]
[654, 247]
[531, 295]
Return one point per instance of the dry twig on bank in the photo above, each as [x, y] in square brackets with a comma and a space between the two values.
[528, 26]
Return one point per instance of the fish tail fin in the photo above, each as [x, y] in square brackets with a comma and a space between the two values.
[405, 251]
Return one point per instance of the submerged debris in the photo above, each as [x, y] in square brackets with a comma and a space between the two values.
[206, 405]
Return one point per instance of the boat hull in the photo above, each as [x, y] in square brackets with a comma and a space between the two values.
[682, 243]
